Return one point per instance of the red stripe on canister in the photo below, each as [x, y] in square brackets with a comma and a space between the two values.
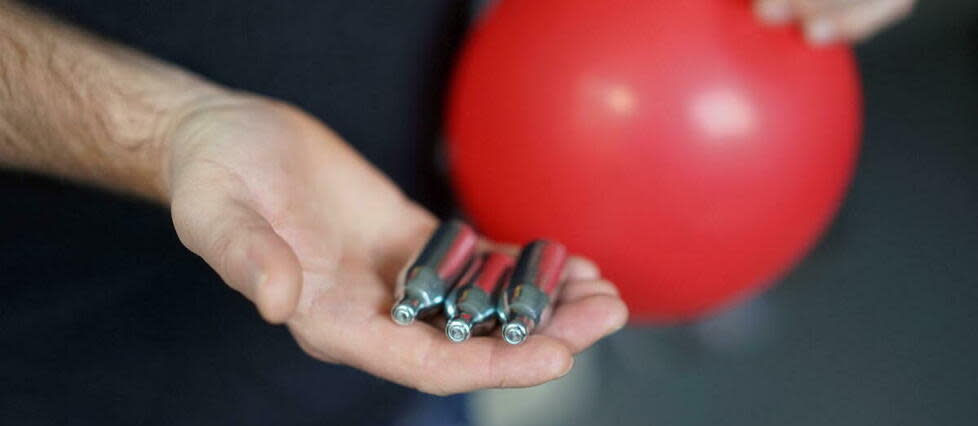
[553, 257]
[493, 270]
[459, 253]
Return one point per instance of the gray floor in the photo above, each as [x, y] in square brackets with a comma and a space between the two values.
[877, 326]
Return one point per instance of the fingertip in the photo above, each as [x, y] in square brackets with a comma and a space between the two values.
[619, 317]
[616, 313]
[579, 323]
[821, 31]
[568, 366]
[557, 364]
[537, 361]
[861, 21]
[581, 268]
[773, 12]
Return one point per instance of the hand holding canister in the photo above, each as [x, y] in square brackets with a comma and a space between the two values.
[527, 299]
[425, 282]
[470, 306]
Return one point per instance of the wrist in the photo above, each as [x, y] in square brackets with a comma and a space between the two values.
[181, 127]
[214, 125]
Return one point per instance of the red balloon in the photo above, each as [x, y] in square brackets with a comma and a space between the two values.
[694, 153]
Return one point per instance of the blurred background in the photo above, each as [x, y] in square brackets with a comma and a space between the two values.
[878, 325]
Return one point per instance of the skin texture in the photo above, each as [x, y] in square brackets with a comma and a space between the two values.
[831, 21]
[278, 205]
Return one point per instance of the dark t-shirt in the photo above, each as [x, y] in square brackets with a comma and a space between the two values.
[106, 319]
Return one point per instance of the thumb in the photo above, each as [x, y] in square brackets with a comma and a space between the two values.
[242, 247]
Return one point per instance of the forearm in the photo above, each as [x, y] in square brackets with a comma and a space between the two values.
[80, 107]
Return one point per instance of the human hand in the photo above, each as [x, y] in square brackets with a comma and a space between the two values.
[298, 222]
[829, 21]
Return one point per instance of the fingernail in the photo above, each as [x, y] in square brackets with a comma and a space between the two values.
[773, 11]
[820, 31]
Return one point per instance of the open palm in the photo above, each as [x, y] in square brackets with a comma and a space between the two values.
[299, 223]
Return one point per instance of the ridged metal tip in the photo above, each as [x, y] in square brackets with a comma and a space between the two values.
[403, 314]
[458, 331]
[514, 333]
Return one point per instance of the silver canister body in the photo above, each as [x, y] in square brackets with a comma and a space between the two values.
[471, 307]
[527, 300]
[424, 283]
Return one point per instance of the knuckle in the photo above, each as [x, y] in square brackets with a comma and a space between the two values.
[498, 380]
